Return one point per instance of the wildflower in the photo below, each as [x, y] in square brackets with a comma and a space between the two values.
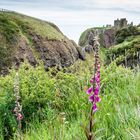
[89, 91]
[94, 107]
[18, 108]
[19, 117]
[97, 89]
[91, 80]
[91, 98]
[97, 99]
[94, 98]
[95, 80]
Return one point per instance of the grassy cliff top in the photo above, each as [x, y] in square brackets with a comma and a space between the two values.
[84, 35]
[128, 50]
[20, 22]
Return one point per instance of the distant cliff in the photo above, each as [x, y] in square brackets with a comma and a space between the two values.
[121, 41]
[108, 33]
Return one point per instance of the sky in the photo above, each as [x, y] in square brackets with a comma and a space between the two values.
[75, 16]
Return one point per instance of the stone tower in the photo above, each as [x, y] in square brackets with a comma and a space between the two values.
[118, 24]
[123, 22]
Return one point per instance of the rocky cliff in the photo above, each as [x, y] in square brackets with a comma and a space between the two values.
[23, 37]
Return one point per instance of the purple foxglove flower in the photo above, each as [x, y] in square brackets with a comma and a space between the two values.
[91, 98]
[91, 80]
[97, 99]
[90, 90]
[98, 74]
[96, 92]
[94, 107]
[97, 79]
[98, 66]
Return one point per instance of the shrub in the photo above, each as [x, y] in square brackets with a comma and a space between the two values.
[36, 91]
[122, 34]
[42, 97]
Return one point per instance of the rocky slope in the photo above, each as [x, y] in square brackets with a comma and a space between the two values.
[23, 37]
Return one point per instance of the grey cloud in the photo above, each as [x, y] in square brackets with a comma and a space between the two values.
[73, 16]
[76, 5]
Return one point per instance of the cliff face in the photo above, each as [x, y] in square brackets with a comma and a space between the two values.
[107, 36]
[23, 37]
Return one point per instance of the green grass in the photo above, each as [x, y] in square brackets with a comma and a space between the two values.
[118, 116]
[43, 28]
[9, 35]
[128, 42]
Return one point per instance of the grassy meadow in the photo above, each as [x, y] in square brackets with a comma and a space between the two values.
[56, 107]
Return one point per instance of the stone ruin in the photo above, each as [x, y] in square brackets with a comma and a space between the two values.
[118, 24]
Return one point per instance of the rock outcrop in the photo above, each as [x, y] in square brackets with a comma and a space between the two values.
[109, 37]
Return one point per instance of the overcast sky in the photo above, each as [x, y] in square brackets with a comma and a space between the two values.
[74, 16]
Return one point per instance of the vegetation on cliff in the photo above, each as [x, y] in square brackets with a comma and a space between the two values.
[126, 53]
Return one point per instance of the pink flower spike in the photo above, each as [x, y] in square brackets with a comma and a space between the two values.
[91, 98]
[94, 107]
[90, 90]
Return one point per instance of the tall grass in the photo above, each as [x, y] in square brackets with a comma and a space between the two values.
[117, 119]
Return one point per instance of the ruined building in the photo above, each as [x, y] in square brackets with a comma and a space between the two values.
[118, 24]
